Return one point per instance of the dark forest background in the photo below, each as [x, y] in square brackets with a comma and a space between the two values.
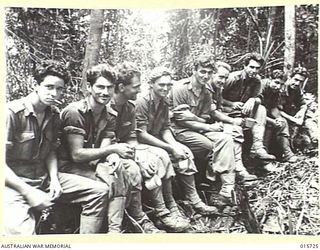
[285, 36]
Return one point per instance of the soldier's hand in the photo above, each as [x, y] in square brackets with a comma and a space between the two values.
[237, 105]
[55, 188]
[124, 150]
[279, 122]
[148, 169]
[186, 151]
[114, 161]
[248, 106]
[37, 198]
[216, 127]
[183, 115]
[179, 154]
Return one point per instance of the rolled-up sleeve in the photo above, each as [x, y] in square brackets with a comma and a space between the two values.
[72, 121]
[179, 96]
[10, 128]
[228, 85]
[142, 116]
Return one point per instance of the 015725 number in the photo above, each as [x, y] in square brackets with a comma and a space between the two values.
[309, 246]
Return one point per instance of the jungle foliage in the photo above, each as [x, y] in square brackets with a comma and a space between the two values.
[33, 35]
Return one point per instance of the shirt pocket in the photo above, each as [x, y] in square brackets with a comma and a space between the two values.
[125, 129]
[24, 146]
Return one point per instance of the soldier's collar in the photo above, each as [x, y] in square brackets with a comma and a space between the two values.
[192, 80]
[156, 100]
[29, 110]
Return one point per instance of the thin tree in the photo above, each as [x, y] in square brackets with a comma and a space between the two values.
[93, 45]
[290, 33]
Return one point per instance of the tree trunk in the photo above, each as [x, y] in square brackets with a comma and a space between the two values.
[290, 33]
[216, 30]
[93, 45]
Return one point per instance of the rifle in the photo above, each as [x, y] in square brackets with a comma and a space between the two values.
[240, 198]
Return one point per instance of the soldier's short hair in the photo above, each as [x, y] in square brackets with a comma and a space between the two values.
[253, 56]
[277, 74]
[219, 64]
[158, 72]
[204, 60]
[300, 71]
[53, 68]
[105, 70]
[125, 72]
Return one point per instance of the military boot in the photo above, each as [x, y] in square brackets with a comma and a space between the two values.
[288, 155]
[171, 203]
[171, 224]
[134, 209]
[163, 219]
[242, 174]
[227, 186]
[227, 183]
[257, 149]
[90, 224]
[115, 214]
[148, 227]
[189, 189]
[219, 201]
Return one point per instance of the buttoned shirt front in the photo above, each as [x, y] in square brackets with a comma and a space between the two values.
[153, 114]
[216, 95]
[77, 118]
[292, 100]
[126, 120]
[199, 102]
[269, 98]
[239, 88]
[28, 144]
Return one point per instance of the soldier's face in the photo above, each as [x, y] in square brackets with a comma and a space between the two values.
[203, 75]
[252, 69]
[220, 77]
[50, 89]
[275, 84]
[162, 86]
[101, 91]
[296, 81]
[130, 91]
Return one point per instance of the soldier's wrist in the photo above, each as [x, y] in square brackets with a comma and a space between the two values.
[257, 100]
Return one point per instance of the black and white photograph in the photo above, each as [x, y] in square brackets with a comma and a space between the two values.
[161, 121]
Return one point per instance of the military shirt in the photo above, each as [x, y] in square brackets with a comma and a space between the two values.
[269, 98]
[77, 118]
[152, 114]
[238, 88]
[28, 144]
[216, 95]
[126, 121]
[292, 100]
[200, 103]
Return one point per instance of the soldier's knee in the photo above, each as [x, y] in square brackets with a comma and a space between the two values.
[261, 112]
[100, 189]
[237, 134]
[134, 173]
[16, 225]
[228, 139]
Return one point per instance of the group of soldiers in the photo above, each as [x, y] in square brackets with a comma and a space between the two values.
[116, 149]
